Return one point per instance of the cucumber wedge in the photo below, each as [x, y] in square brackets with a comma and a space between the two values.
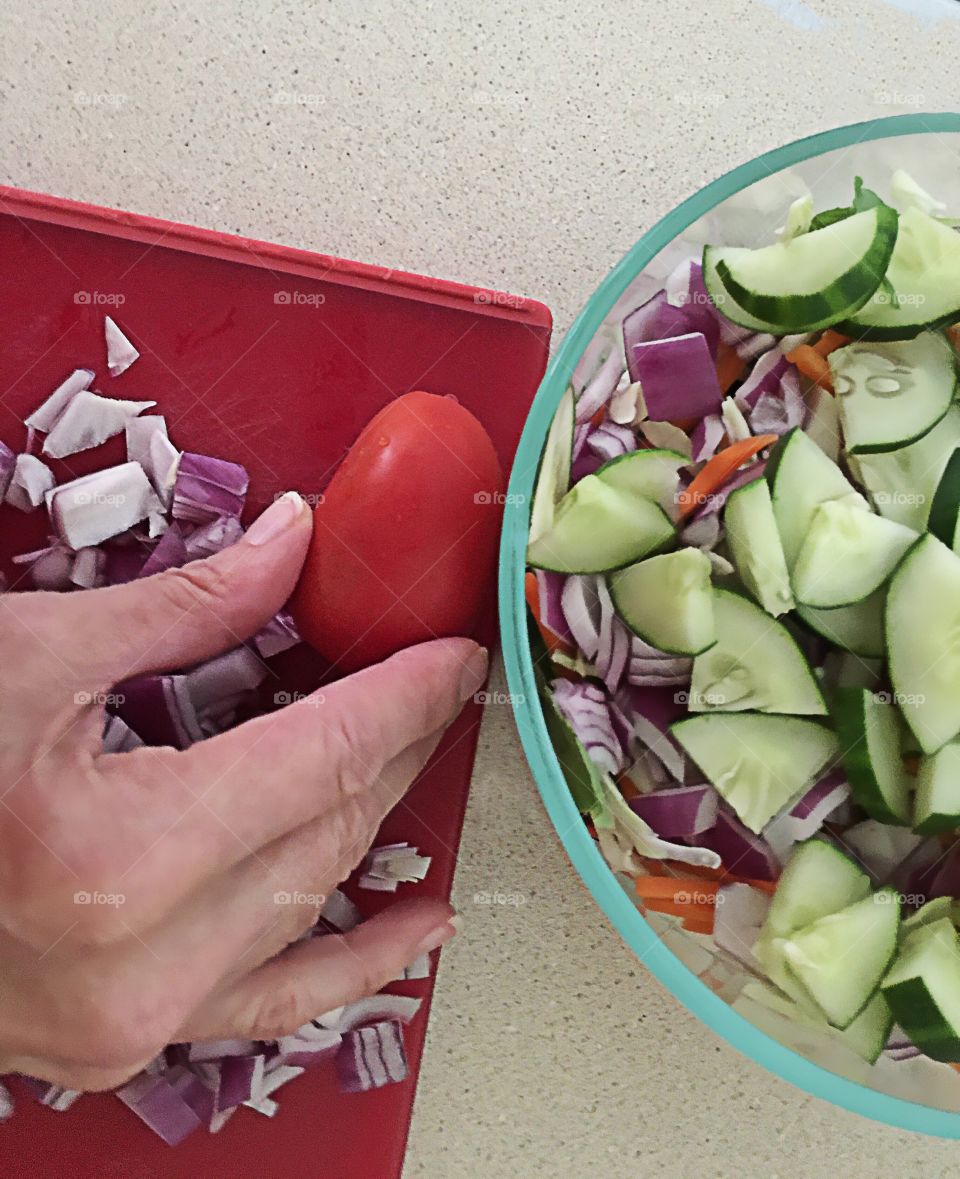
[757, 762]
[922, 623]
[937, 801]
[597, 528]
[889, 395]
[801, 478]
[935, 910]
[857, 628]
[944, 520]
[553, 478]
[867, 1035]
[756, 549]
[841, 959]
[869, 732]
[923, 990]
[648, 474]
[755, 665]
[807, 282]
[668, 601]
[847, 555]
[924, 274]
[902, 483]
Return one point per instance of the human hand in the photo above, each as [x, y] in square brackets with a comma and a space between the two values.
[193, 845]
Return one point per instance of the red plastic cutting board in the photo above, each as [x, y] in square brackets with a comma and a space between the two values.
[275, 358]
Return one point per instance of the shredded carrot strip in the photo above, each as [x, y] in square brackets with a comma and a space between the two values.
[730, 367]
[718, 470]
[627, 787]
[813, 365]
[532, 593]
[829, 341]
[690, 891]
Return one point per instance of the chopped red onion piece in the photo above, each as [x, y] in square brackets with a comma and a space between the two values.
[417, 969]
[613, 649]
[644, 734]
[29, 483]
[280, 634]
[208, 487]
[88, 421]
[650, 667]
[776, 413]
[609, 441]
[340, 912]
[50, 568]
[740, 850]
[159, 1105]
[584, 706]
[681, 812]
[303, 1052]
[118, 737]
[713, 503]
[170, 553]
[683, 307]
[203, 1050]
[265, 1105]
[739, 916]
[276, 1076]
[148, 445]
[946, 881]
[580, 604]
[677, 376]
[241, 1078]
[372, 1057]
[212, 537]
[87, 571]
[765, 377]
[56, 1097]
[586, 463]
[387, 867]
[44, 418]
[550, 599]
[881, 847]
[8, 464]
[95, 507]
[120, 352]
[601, 387]
[397, 1008]
[706, 437]
[123, 563]
[6, 1103]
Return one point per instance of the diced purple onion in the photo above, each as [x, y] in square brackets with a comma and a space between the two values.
[777, 413]
[707, 436]
[213, 537]
[550, 598]
[8, 464]
[339, 912]
[123, 562]
[716, 500]
[765, 377]
[609, 441]
[241, 1077]
[159, 1105]
[118, 737]
[703, 531]
[170, 553]
[580, 606]
[87, 570]
[613, 648]
[371, 1057]
[90, 420]
[740, 850]
[373, 1009]
[6, 1103]
[677, 376]
[600, 388]
[387, 867]
[649, 667]
[675, 314]
[804, 818]
[148, 445]
[681, 812]
[51, 568]
[280, 634]
[584, 706]
[29, 483]
[45, 416]
[307, 1052]
[120, 352]
[206, 488]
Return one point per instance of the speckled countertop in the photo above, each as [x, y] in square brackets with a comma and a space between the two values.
[522, 146]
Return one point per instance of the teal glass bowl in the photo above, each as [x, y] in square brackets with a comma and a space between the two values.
[830, 156]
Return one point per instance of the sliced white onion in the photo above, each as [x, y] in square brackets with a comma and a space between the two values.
[45, 416]
[29, 483]
[120, 352]
[88, 421]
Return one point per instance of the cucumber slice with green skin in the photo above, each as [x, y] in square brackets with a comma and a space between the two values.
[668, 601]
[581, 775]
[847, 555]
[841, 959]
[755, 547]
[648, 474]
[869, 732]
[889, 395]
[553, 478]
[597, 528]
[937, 800]
[944, 520]
[938, 909]
[857, 628]
[801, 478]
[923, 990]
[902, 483]
[924, 272]
[807, 282]
[755, 665]
[757, 761]
[922, 622]
[867, 1035]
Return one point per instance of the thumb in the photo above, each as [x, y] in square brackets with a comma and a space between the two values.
[185, 615]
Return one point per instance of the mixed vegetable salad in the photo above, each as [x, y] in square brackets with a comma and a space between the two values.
[744, 584]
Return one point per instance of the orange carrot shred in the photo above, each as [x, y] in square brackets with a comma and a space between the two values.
[553, 642]
[813, 365]
[730, 367]
[829, 341]
[718, 470]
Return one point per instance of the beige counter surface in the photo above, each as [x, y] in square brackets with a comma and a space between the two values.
[522, 146]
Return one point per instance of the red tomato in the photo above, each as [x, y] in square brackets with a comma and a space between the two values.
[405, 540]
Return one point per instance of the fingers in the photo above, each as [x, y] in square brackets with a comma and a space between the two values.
[220, 801]
[185, 615]
[312, 977]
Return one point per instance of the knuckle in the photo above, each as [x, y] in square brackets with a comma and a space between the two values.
[278, 1013]
[182, 589]
[119, 1026]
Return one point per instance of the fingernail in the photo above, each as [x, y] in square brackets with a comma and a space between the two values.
[442, 933]
[276, 519]
[474, 673]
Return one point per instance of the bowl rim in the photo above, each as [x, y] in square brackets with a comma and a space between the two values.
[580, 847]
